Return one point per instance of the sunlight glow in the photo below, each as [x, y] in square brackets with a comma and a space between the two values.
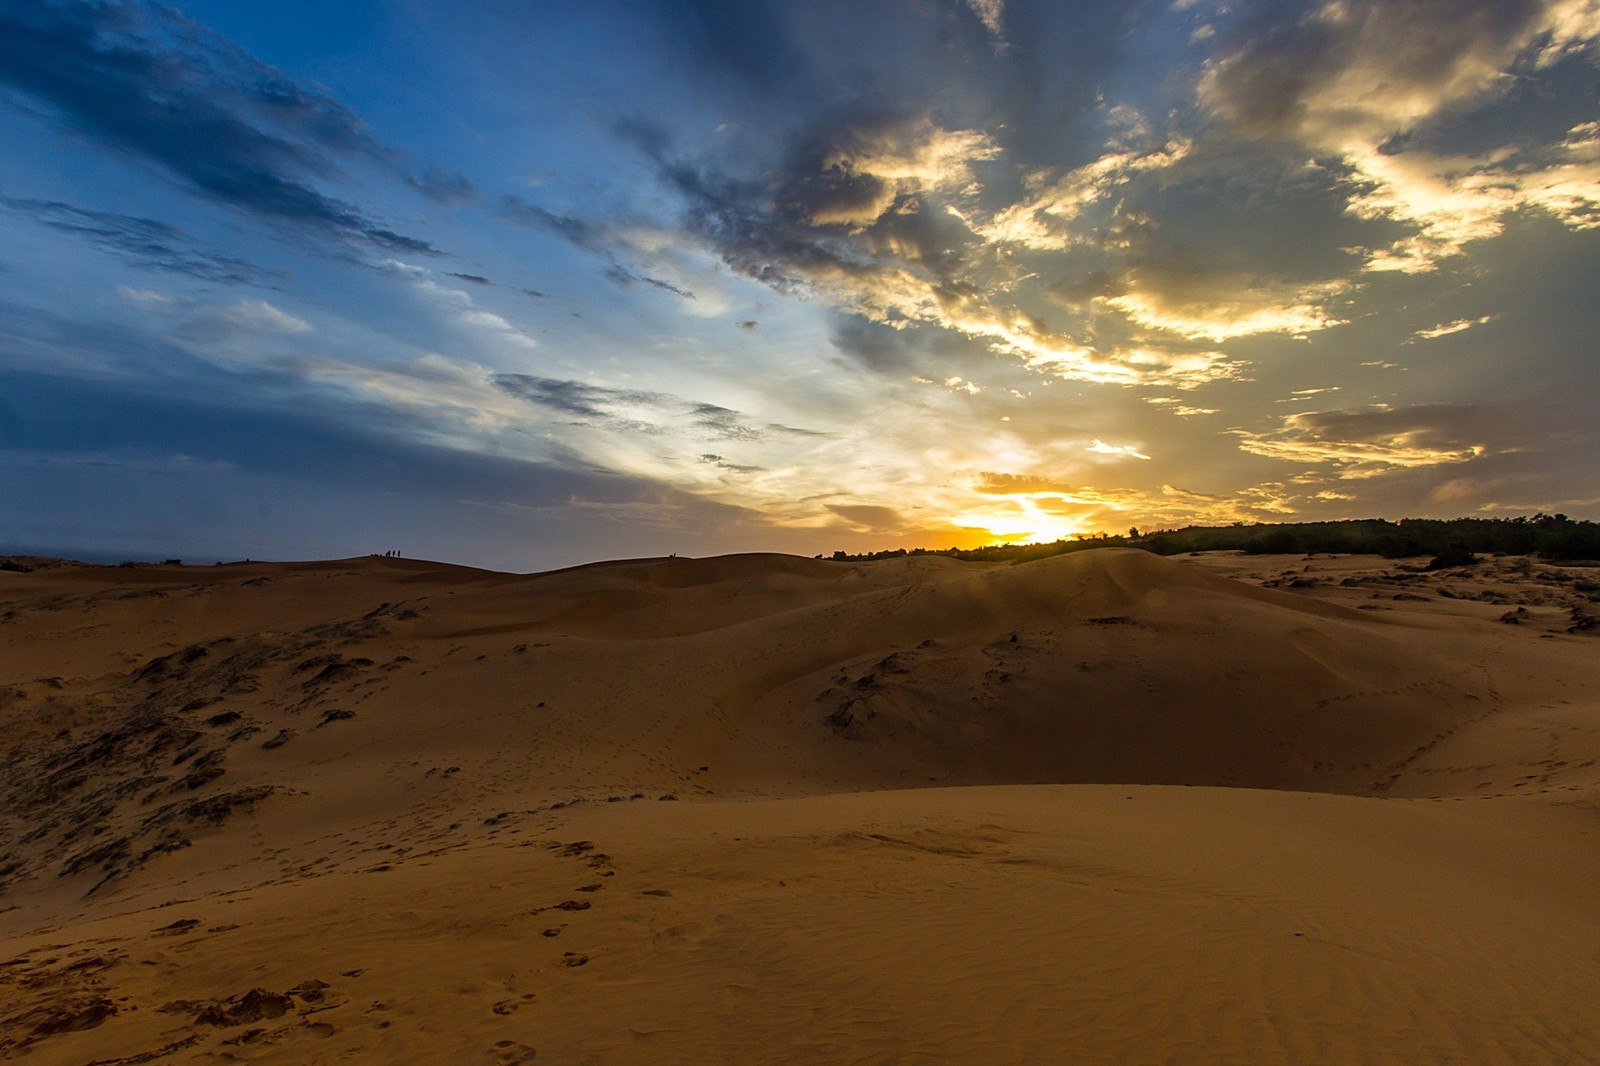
[1022, 523]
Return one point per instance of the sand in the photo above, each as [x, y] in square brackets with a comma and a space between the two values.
[1104, 807]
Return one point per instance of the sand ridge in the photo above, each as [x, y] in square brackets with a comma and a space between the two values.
[1107, 772]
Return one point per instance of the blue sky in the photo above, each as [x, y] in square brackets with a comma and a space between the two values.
[525, 285]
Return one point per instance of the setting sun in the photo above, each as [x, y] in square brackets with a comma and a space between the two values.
[1022, 521]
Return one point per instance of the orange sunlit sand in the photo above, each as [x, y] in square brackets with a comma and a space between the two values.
[1102, 807]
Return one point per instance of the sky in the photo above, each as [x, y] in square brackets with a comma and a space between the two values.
[530, 284]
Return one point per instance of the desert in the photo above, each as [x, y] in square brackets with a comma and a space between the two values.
[1099, 807]
[867, 532]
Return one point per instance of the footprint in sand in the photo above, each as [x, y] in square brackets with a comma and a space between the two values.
[509, 1006]
[511, 1053]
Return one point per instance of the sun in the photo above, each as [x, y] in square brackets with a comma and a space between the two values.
[1022, 524]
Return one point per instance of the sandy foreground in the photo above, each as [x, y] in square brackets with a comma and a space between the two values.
[1105, 807]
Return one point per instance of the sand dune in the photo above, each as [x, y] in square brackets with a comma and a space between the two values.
[1099, 807]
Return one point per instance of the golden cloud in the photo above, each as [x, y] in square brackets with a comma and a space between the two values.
[1242, 312]
[1368, 443]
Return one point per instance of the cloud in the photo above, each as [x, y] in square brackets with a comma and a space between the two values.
[573, 397]
[498, 325]
[1174, 492]
[573, 230]
[1170, 506]
[1452, 201]
[607, 240]
[868, 518]
[258, 316]
[1347, 73]
[1126, 451]
[1445, 329]
[201, 322]
[145, 82]
[1041, 502]
[1178, 407]
[1044, 218]
[855, 169]
[444, 187]
[1374, 82]
[250, 476]
[720, 423]
[1367, 442]
[722, 464]
[1046, 488]
[991, 13]
[994, 484]
[893, 257]
[884, 349]
[637, 410]
[624, 277]
[140, 242]
[1242, 312]
[1083, 259]
[459, 304]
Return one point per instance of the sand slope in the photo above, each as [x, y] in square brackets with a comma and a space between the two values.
[438, 793]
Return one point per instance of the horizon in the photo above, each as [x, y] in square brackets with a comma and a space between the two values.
[533, 288]
[1133, 537]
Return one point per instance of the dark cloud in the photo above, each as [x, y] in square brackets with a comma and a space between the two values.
[1364, 442]
[749, 325]
[820, 184]
[871, 516]
[589, 236]
[868, 208]
[624, 277]
[720, 423]
[573, 230]
[1440, 424]
[873, 345]
[1220, 213]
[1286, 71]
[782, 63]
[223, 477]
[864, 58]
[572, 397]
[909, 349]
[1078, 288]
[309, 441]
[822, 214]
[620, 408]
[145, 82]
[723, 464]
[733, 217]
[442, 186]
[142, 242]
[937, 182]
[476, 279]
[1538, 109]
[146, 403]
